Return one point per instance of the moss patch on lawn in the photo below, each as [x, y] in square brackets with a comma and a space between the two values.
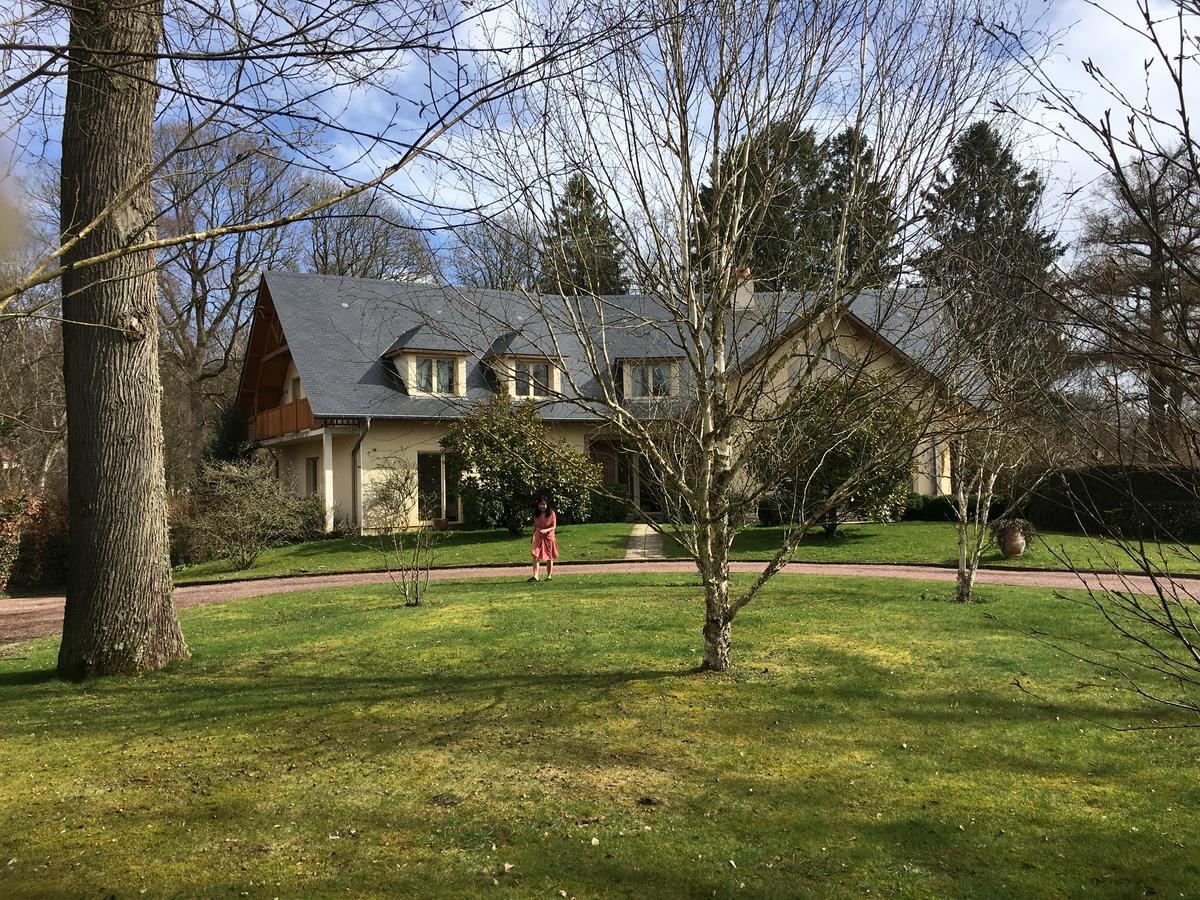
[536, 739]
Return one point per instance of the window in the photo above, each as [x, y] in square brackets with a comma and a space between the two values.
[310, 476]
[533, 379]
[650, 380]
[295, 389]
[435, 376]
[437, 488]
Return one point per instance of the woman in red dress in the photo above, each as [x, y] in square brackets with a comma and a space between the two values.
[545, 546]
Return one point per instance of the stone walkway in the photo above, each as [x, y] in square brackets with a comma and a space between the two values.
[22, 618]
[644, 543]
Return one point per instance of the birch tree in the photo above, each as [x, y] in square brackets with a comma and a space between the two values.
[689, 368]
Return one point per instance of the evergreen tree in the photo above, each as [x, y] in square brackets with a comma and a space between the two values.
[790, 193]
[843, 188]
[990, 259]
[753, 201]
[581, 253]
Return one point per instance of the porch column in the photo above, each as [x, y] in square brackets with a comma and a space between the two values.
[635, 473]
[327, 464]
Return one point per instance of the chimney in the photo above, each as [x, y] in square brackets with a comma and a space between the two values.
[743, 296]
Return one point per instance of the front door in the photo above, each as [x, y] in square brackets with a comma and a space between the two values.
[649, 488]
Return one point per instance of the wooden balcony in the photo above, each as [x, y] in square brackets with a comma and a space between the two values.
[286, 419]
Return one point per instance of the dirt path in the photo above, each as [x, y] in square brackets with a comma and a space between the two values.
[22, 618]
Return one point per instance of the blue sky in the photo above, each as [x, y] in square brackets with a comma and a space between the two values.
[1084, 30]
[1092, 31]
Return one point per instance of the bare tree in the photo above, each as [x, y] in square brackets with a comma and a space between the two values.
[406, 552]
[689, 369]
[239, 509]
[1142, 309]
[284, 74]
[367, 236]
[207, 287]
[500, 253]
[32, 413]
[1141, 250]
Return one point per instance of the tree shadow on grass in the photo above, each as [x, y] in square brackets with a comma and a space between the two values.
[30, 677]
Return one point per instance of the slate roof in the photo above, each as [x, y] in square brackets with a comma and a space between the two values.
[340, 330]
[422, 337]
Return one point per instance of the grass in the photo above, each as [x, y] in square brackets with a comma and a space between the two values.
[922, 543]
[453, 548]
[550, 740]
[919, 543]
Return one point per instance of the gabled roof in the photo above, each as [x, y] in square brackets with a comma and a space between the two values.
[422, 337]
[340, 331]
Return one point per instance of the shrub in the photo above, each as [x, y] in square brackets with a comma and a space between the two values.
[237, 510]
[406, 553]
[43, 559]
[941, 509]
[508, 460]
[310, 522]
[12, 518]
[914, 506]
[768, 511]
[842, 433]
[1173, 520]
[611, 504]
[180, 532]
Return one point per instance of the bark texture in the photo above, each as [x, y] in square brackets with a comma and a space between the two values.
[119, 618]
[718, 617]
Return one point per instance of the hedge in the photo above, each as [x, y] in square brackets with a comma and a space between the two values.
[609, 504]
[921, 508]
[1110, 499]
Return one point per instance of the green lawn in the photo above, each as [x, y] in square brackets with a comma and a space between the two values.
[549, 740]
[899, 542]
[934, 542]
[453, 548]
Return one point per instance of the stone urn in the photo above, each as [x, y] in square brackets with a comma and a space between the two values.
[1012, 536]
[1012, 543]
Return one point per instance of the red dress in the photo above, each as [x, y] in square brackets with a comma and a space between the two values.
[545, 546]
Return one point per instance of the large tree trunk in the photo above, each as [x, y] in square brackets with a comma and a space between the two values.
[119, 616]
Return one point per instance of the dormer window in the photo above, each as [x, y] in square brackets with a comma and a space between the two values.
[532, 379]
[650, 379]
[435, 375]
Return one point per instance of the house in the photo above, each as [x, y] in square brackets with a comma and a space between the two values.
[344, 376]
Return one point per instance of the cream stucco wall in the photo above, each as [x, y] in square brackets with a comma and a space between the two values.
[387, 443]
[851, 346]
[291, 461]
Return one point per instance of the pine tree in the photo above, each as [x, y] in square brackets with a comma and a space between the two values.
[581, 253]
[844, 188]
[791, 193]
[989, 257]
